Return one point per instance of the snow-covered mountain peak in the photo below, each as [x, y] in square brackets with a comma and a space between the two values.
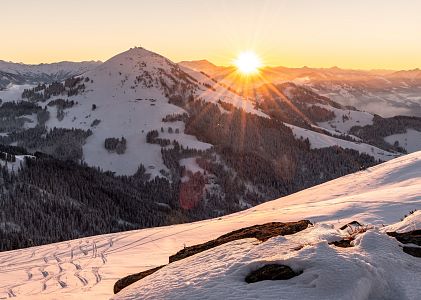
[137, 69]
[136, 59]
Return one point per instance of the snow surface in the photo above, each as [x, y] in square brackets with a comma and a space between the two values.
[320, 140]
[14, 166]
[410, 140]
[14, 92]
[345, 119]
[376, 268]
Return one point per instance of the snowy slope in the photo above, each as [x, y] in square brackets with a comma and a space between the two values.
[88, 268]
[319, 140]
[14, 92]
[345, 119]
[131, 101]
[410, 140]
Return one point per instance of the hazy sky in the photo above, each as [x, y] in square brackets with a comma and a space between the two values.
[317, 33]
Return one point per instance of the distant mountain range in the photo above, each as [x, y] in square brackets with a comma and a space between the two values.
[18, 73]
[383, 92]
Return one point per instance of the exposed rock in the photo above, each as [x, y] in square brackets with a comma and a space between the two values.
[411, 237]
[128, 280]
[260, 232]
[351, 225]
[342, 243]
[414, 251]
[271, 272]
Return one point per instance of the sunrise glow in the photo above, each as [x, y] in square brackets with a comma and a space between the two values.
[248, 63]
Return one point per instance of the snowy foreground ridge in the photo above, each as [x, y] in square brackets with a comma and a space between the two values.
[374, 268]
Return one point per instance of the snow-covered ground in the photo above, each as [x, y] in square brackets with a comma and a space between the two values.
[411, 140]
[14, 92]
[345, 119]
[365, 271]
[14, 166]
[376, 268]
[319, 140]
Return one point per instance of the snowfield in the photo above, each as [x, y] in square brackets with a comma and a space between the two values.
[345, 119]
[375, 268]
[319, 140]
[14, 92]
[410, 140]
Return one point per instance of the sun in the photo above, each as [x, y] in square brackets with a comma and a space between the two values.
[248, 63]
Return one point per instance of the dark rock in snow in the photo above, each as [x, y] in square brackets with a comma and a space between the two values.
[342, 243]
[414, 251]
[128, 280]
[411, 237]
[351, 225]
[260, 232]
[271, 272]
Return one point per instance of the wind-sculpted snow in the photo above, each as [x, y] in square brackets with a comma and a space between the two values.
[365, 271]
[89, 267]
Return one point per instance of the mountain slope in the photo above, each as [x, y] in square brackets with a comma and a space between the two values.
[132, 94]
[88, 268]
[18, 73]
[205, 66]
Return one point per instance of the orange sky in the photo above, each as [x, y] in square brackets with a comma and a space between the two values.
[317, 33]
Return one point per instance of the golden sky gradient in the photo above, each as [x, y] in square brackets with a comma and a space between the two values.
[361, 34]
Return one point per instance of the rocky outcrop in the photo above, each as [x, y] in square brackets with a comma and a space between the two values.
[271, 272]
[261, 232]
[411, 237]
[128, 280]
[342, 243]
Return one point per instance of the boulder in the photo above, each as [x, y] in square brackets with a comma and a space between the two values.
[271, 272]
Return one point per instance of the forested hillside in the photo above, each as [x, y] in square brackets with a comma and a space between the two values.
[140, 142]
